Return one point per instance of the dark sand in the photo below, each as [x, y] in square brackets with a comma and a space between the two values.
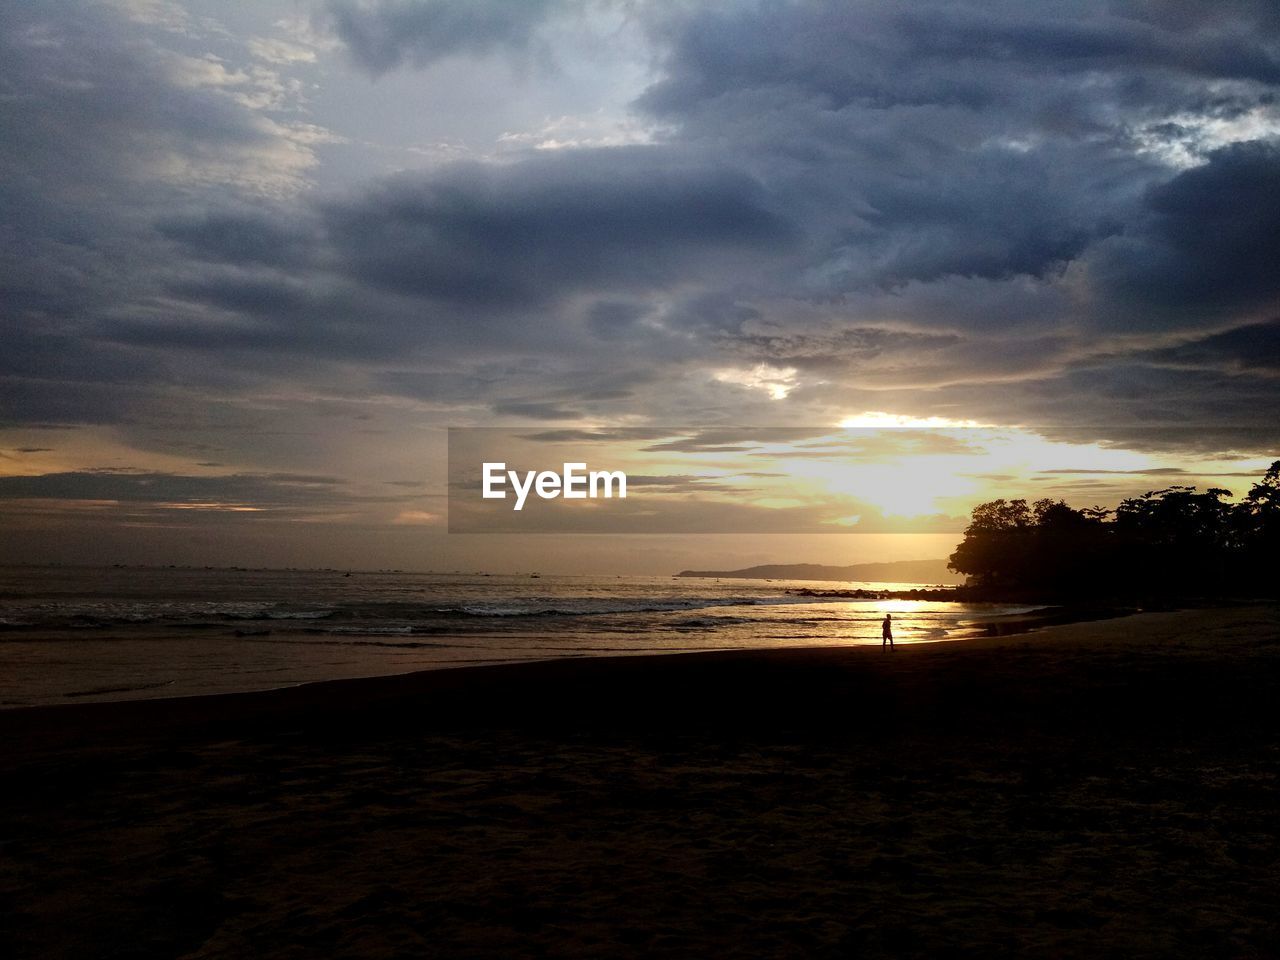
[1099, 789]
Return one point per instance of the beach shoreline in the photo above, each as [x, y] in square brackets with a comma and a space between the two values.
[1104, 787]
[82, 643]
[88, 714]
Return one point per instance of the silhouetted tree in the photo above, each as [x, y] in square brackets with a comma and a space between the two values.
[994, 543]
[1175, 541]
[1257, 529]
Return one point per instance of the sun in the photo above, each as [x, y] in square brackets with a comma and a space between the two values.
[880, 419]
[916, 488]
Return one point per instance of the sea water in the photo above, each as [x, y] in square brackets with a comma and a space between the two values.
[77, 634]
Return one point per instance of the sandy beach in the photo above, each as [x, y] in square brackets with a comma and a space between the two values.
[1094, 789]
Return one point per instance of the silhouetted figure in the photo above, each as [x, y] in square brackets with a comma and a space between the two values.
[886, 631]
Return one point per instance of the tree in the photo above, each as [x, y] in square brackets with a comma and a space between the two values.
[994, 543]
[1257, 527]
[1175, 541]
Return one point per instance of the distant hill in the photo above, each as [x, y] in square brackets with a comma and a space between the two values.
[897, 571]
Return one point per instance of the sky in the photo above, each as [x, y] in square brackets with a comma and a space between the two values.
[257, 259]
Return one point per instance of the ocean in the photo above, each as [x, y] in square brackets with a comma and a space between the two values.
[78, 634]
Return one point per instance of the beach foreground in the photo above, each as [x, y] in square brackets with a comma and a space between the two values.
[1093, 789]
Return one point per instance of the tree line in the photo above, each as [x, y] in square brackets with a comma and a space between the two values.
[1171, 542]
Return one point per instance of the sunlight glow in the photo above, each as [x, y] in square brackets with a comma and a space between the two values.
[416, 517]
[777, 382]
[951, 465]
[211, 505]
[850, 521]
[878, 418]
[1201, 134]
[904, 486]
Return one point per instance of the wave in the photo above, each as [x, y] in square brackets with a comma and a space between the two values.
[207, 615]
[103, 691]
[356, 642]
[591, 606]
[710, 623]
[413, 616]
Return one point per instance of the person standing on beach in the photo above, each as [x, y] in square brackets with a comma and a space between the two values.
[886, 631]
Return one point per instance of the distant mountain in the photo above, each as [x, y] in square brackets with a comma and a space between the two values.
[897, 571]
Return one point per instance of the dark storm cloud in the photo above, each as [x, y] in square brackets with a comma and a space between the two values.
[614, 319]
[999, 179]
[384, 34]
[103, 132]
[1208, 244]
[995, 143]
[1136, 405]
[308, 316]
[74, 73]
[52, 403]
[58, 353]
[1006, 210]
[531, 232]
[885, 55]
[1253, 348]
[457, 259]
[100, 124]
[242, 237]
[1108, 42]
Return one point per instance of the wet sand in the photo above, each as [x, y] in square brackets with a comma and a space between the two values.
[1095, 789]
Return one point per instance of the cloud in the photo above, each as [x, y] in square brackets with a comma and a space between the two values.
[384, 34]
[93, 102]
[1057, 214]
[261, 490]
[1153, 472]
[1250, 349]
[534, 410]
[735, 439]
[242, 237]
[416, 518]
[536, 231]
[928, 144]
[1166, 267]
[106, 127]
[595, 436]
